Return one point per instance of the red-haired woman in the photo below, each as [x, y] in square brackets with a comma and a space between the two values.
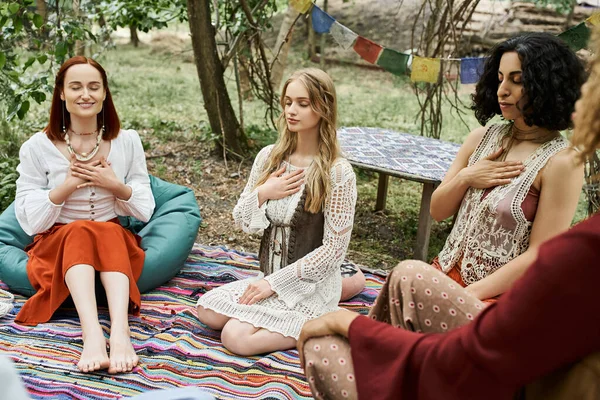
[75, 178]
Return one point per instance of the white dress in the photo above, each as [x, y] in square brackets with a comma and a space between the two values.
[307, 288]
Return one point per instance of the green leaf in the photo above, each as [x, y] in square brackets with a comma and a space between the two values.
[3, 21]
[29, 62]
[14, 108]
[13, 8]
[2, 60]
[39, 97]
[38, 20]
[61, 49]
[23, 110]
[42, 59]
[18, 24]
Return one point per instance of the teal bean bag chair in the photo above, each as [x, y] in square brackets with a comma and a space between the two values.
[166, 239]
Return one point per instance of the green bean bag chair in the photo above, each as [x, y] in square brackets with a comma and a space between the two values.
[166, 239]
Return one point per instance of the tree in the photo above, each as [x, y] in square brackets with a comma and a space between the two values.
[444, 22]
[282, 46]
[238, 27]
[221, 116]
[45, 44]
[141, 15]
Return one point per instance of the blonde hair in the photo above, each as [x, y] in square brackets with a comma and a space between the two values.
[323, 101]
[586, 136]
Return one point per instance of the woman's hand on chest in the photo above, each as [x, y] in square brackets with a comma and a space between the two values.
[281, 184]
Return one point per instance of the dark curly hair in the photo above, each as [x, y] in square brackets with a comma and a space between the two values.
[552, 77]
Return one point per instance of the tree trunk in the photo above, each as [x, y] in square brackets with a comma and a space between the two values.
[40, 6]
[312, 39]
[221, 116]
[244, 73]
[569, 18]
[133, 36]
[79, 45]
[284, 42]
[245, 85]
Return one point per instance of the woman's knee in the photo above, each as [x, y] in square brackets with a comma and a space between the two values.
[211, 319]
[236, 337]
[410, 270]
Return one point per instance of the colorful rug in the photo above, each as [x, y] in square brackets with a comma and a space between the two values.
[174, 349]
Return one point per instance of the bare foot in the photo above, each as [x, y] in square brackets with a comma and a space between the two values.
[122, 353]
[93, 356]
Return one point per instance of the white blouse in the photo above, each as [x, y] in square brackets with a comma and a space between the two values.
[43, 167]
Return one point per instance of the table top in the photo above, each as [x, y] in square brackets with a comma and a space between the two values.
[412, 157]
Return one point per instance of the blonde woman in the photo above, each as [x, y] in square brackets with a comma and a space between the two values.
[301, 194]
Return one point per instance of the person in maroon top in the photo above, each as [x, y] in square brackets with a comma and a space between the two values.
[548, 320]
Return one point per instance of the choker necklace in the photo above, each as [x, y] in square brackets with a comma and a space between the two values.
[83, 156]
[535, 135]
[84, 133]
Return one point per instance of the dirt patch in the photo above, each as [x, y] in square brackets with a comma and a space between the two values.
[172, 44]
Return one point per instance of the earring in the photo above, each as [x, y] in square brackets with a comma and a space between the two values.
[64, 129]
[103, 129]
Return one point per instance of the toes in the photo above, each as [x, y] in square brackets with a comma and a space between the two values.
[113, 368]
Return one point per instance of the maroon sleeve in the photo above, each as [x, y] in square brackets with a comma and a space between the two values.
[550, 318]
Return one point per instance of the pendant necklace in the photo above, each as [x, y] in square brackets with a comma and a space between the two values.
[84, 156]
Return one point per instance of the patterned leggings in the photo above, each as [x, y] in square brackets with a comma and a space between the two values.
[416, 297]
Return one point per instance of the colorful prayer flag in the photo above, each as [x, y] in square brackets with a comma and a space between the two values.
[576, 37]
[367, 49]
[302, 6]
[321, 21]
[343, 36]
[471, 69]
[393, 61]
[425, 69]
[594, 19]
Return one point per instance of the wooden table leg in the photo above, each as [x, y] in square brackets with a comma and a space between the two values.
[382, 188]
[424, 229]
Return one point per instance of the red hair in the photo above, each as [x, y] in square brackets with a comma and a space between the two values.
[112, 125]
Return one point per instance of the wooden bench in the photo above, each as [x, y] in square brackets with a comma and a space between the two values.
[406, 156]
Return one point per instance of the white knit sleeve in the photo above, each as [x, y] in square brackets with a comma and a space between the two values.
[141, 203]
[298, 280]
[33, 208]
[247, 214]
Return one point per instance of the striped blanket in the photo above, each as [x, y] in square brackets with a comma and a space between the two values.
[174, 349]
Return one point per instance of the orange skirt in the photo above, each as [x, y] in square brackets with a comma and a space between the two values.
[106, 246]
[455, 275]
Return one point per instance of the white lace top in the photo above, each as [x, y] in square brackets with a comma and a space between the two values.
[307, 288]
[43, 167]
[491, 230]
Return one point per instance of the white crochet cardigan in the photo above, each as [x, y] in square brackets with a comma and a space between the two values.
[311, 286]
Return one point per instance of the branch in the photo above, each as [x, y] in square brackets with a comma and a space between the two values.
[287, 37]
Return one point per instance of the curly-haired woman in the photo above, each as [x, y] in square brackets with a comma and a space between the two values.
[301, 194]
[512, 187]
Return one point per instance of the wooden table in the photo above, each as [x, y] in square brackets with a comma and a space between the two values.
[406, 156]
